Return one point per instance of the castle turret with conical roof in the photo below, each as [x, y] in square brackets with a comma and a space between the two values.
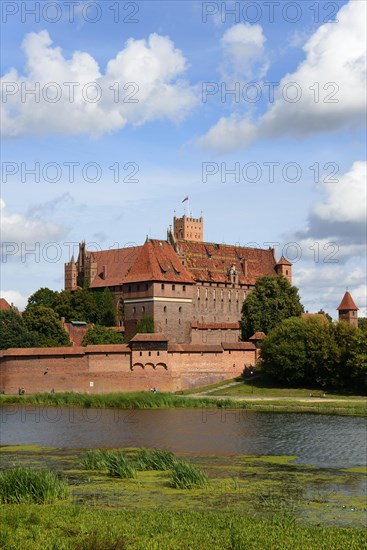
[284, 267]
[348, 311]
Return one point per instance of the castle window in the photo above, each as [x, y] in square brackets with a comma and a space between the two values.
[184, 288]
[206, 294]
[141, 353]
[149, 353]
[143, 309]
[198, 293]
[180, 309]
[134, 309]
[173, 287]
[214, 295]
[286, 271]
[158, 353]
[146, 286]
[165, 309]
[162, 286]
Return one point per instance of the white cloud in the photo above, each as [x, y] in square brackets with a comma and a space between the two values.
[153, 66]
[17, 228]
[334, 67]
[243, 48]
[346, 199]
[15, 297]
[323, 287]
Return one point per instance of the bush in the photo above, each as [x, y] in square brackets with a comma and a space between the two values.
[26, 485]
[187, 476]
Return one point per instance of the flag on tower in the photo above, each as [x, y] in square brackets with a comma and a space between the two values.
[186, 199]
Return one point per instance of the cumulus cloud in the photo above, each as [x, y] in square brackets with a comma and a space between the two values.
[18, 228]
[341, 215]
[142, 83]
[334, 244]
[325, 93]
[244, 54]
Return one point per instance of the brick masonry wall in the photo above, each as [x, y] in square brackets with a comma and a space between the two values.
[108, 371]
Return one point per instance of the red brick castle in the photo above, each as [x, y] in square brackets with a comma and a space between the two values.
[194, 290]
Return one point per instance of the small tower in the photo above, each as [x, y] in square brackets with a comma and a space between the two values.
[348, 311]
[188, 229]
[71, 274]
[283, 267]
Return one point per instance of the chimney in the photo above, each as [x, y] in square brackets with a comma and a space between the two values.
[104, 272]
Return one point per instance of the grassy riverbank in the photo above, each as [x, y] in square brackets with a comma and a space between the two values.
[353, 406]
[71, 527]
[246, 503]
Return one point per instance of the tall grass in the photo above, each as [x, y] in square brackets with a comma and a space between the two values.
[154, 459]
[26, 485]
[93, 460]
[118, 466]
[187, 476]
[149, 400]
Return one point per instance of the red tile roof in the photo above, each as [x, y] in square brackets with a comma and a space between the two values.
[238, 346]
[283, 261]
[149, 337]
[212, 262]
[118, 263]
[4, 305]
[222, 326]
[157, 261]
[347, 303]
[258, 336]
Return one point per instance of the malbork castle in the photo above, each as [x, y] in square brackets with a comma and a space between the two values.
[193, 290]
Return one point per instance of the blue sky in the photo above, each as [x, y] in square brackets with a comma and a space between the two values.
[170, 58]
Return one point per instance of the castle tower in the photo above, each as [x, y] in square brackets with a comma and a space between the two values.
[188, 229]
[71, 274]
[90, 268]
[283, 267]
[348, 311]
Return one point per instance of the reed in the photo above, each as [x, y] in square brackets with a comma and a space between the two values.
[26, 485]
[187, 476]
[154, 459]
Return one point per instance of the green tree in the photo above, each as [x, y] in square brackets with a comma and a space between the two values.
[345, 337]
[284, 352]
[362, 323]
[43, 297]
[14, 332]
[102, 335]
[84, 306]
[357, 361]
[45, 324]
[106, 308]
[272, 300]
[146, 325]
